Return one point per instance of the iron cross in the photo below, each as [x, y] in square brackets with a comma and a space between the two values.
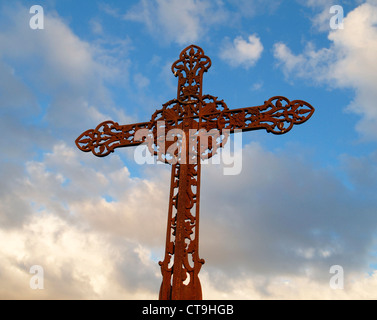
[192, 116]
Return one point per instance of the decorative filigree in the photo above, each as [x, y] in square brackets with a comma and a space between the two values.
[109, 135]
[182, 264]
[187, 129]
[189, 69]
[278, 115]
[200, 116]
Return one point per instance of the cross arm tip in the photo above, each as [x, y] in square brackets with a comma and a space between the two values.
[108, 136]
[285, 113]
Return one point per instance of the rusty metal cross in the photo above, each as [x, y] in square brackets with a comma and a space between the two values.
[190, 113]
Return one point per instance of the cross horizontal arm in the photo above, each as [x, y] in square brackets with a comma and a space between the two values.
[110, 135]
[278, 115]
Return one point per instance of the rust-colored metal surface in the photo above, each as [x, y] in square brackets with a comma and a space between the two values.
[190, 113]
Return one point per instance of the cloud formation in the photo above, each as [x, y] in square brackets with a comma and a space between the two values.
[89, 226]
[347, 63]
[242, 52]
[180, 21]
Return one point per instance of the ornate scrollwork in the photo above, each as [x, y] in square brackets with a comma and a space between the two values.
[182, 263]
[205, 114]
[278, 115]
[189, 69]
[108, 136]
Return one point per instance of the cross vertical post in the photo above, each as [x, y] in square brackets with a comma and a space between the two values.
[181, 281]
[188, 116]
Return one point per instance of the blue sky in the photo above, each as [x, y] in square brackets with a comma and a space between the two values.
[304, 201]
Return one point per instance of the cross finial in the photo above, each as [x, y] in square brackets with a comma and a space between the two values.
[189, 69]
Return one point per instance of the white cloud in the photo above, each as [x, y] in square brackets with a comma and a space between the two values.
[283, 219]
[242, 52]
[348, 63]
[96, 26]
[188, 21]
[53, 80]
[89, 247]
[71, 74]
[291, 61]
[78, 263]
[291, 288]
[52, 83]
[312, 63]
[321, 13]
[180, 21]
